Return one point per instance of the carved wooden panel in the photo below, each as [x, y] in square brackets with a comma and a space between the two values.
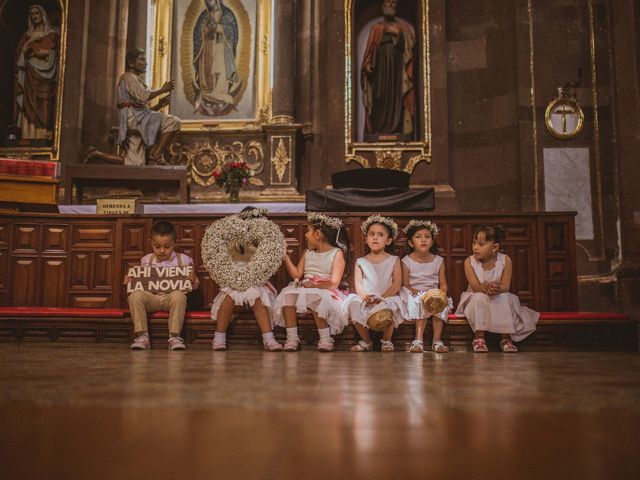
[186, 233]
[102, 270]
[80, 270]
[558, 299]
[88, 301]
[518, 232]
[25, 238]
[522, 279]
[95, 236]
[55, 239]
[54, 288]
[556, 240]
[134, 239]
[557, 270]
[456, 278]
[24, 282]
[4, 268]
[459, 239]
[4, 235]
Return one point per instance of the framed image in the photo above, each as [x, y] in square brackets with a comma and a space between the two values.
[32, 64]
[219, 54]
[387, 97]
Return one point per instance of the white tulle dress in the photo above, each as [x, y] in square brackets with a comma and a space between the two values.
[376, 279]
[326, 303]
[501, 313]
[422, 277]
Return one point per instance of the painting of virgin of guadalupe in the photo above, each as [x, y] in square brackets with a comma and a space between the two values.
[215, 75]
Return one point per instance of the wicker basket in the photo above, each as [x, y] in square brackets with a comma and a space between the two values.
[434, 301]
[380, 320]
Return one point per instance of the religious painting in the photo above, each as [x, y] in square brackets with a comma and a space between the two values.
[32, 66]
[387, 97]
[217, 51]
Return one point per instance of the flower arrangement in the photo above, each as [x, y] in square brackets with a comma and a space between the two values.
[331, 222]
[231, 177]
[428, 224]
[265, 261]
[253, 213]
[384, 221]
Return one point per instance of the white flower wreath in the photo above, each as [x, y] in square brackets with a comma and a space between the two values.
[263, 264]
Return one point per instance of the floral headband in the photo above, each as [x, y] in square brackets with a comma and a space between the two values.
[384, 221]
[420, 224]
[331, 222]
[253, 213]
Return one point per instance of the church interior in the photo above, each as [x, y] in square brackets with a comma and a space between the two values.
[266, 238]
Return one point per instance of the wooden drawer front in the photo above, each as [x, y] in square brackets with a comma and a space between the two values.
[99, 236]
[80, 270]
[24, 284]
[459, 239]
[134, 240]
[56, 238]
[25, 238]
[87, 301]
[517, 233]
[557, 270]
[54, 289]
[4, 235]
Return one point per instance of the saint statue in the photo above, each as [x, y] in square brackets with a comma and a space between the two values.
[36, 78]
[386, 76]
[215, 41]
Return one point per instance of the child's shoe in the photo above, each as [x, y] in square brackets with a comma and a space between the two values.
[507, 346]
[416, 346]
[272, 346]
[325, 345]
[439, 347]
[292, 344]
[176, 343]
[479, 346]
[362, 346]
[218, 346]
[141, 342]
[386, 346]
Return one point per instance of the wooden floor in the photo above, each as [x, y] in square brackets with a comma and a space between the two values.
[103, 412]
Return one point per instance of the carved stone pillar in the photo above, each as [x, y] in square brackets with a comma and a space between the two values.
[284, 56]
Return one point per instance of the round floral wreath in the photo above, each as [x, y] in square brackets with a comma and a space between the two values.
[263, 264]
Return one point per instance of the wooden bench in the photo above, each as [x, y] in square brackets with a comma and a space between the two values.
[556, 330]
[124, 176]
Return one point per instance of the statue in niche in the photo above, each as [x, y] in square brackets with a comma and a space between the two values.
[36, 80]
[215, 41]
[387, 79]
[140, 126]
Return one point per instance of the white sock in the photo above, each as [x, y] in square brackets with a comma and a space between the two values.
[220, 337]
[325, 334]
[268, 338]
[292, 332]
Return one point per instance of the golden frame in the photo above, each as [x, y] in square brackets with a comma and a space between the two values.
[163, 53]
[353, 149]
[575, 110]
[52, 152]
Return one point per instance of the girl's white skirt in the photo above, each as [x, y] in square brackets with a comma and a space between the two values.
[414, 307]
[327, 304]
[266, 293]
[501, 313]
[358, 311]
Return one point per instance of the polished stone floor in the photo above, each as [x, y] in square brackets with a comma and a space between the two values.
[103, 412]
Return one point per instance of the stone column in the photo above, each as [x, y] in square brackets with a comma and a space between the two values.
[284, 56]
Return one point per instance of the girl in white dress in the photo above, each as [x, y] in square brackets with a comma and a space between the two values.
[378, 277]
[487, 303]
[422, 270]
[261, 298]
[316, 279]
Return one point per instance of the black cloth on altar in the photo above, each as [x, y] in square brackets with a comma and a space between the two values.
[370, 200]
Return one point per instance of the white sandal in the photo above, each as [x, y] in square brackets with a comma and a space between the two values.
[362, 346]
[417, 346]
[387, 346]
[439, 347]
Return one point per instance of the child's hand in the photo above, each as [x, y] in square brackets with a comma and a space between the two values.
[126, 280]
[371, 299]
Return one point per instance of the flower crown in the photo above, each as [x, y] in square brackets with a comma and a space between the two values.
[432, 227]
[331, 222]
[253, 213]
[384, 221]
